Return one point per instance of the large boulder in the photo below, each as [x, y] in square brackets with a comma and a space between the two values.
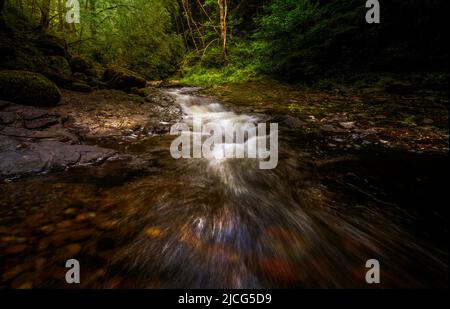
[81, 64]
[123, 79]
[52, 45]
[86, 66]
[28, 88]
[21, 158]
[58, 70]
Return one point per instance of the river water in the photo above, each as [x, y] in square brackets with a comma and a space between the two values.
[226, 223]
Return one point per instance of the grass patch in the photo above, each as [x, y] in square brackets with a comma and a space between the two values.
[199, 76]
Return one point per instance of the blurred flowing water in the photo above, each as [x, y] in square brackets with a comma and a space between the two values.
[223, 223]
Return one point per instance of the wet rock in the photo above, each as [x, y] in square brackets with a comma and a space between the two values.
[13, 272]
[28, 88]
[16, 249]
[13, 163]
[47, 229]
[60, 135]
[140, 92]
[85, 216]
[22, 281]
[43, 244]
[25, 286]
[8, 238]
[289, 121]
[47, 155]
[65, 224]
[153, 232]
[72, 250]
[70, 211]
[31, 113]
[41, 123]
[170, 84]
[155, 83]
[7, 118]
[15, 132]
[80, 235]
[107, 225]
[79, 86]
[332, 129]
[348, 125]
[279, 269]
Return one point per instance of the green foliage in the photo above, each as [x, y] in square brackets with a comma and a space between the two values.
[307, 41]
[210, 67]
[137, 34]
[200, 76]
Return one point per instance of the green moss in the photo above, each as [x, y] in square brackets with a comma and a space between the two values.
[51, 45]
[123, 79]
[28, 88]
[199, 76]
[410, 120]
[80, 64]
[57, 70]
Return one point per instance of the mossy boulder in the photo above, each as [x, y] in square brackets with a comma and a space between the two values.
[140, 92]
[123, 79]
[58, 70]
[81, 64]
[52, 45]
[81, 76]
[28, 88]
[84, 64]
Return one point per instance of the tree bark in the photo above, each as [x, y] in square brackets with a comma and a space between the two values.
[33, 8]
[45, 13]
[93, 15]
[223, 13]
[188, 19]
[61, 16]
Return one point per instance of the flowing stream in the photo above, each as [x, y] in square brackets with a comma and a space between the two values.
[217, 223]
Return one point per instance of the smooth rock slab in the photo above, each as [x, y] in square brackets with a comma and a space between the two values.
[7, 118]
[41, 123]
[44, 156]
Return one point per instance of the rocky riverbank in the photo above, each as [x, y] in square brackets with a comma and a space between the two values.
[41, 139]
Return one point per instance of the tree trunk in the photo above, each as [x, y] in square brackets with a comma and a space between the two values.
[223, 12]
[61, 16]
[33, 8]
[92, 25]
[45, 13]
[188, 19]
